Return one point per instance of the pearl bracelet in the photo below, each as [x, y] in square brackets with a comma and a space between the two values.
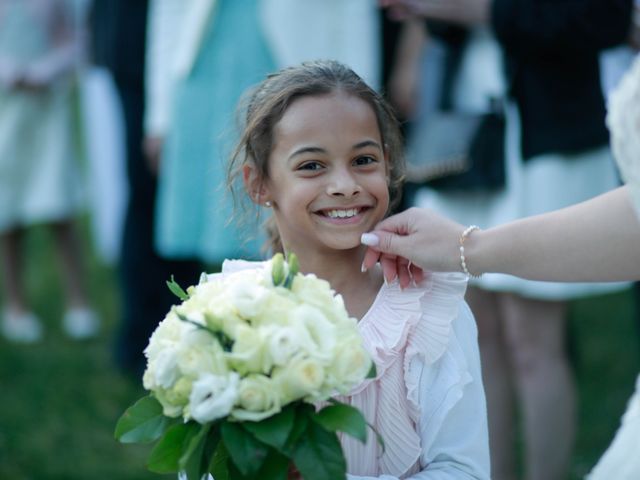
[463, 261]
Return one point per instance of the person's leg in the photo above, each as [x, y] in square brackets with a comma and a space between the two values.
[11, 267]
[69, 251]
[536, 335]
[80, 321]
[18, 322]
[496, 378]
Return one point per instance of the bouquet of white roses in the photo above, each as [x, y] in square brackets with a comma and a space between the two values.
[234, 372]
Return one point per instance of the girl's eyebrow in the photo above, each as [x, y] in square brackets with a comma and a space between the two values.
[367, 143]
[302, 150]
[357, 146]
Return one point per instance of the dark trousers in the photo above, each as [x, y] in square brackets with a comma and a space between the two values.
[142, 272]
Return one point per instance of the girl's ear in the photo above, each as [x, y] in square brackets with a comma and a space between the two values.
[254, 184]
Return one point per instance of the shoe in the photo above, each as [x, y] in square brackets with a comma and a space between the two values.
[21, 327]
[81, 323]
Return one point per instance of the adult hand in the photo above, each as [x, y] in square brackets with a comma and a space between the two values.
[412, 241]
[465, 12]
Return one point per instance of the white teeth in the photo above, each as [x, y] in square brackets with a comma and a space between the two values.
[343, 213]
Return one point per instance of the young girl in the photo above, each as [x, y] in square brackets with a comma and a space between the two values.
[40, 183]
[323, 151]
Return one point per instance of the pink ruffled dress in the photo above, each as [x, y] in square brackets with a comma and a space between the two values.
[427, 401]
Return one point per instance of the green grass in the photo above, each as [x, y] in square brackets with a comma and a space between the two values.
[59, 400]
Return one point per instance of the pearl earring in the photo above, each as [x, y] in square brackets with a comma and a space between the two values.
[267, 204]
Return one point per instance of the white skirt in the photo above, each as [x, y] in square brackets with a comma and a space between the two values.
[544, 183]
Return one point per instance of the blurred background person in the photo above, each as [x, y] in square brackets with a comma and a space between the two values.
[41, 45]
[542, 59]
[201, 56]
[120, 32]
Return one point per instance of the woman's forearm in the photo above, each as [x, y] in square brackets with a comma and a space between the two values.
[597, 240]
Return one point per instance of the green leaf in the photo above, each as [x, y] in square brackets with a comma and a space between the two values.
[143, 422]
[165, 456]
[192, 461]
[247, 453]
[275, 467]
[177, 289]
[318, 455]
[218, 466]
[303, 412]
[275, 430]
[343, 418]
[372, 371]
[211, 444]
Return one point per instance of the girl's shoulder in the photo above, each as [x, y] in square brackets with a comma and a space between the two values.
[418, 320]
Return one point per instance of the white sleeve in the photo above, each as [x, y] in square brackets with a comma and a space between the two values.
[166, 18]
[459, 450]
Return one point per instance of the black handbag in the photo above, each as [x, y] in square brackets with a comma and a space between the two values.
[459, 151]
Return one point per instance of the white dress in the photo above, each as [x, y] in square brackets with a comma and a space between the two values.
[547, 182]
[39, 174]
[621, 461]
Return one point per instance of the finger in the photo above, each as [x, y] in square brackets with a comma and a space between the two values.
[385, 242]
[402, 266]
[389, 268]
[417, 273]
[371, 257]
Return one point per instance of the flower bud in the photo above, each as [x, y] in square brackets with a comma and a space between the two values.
[277, 269]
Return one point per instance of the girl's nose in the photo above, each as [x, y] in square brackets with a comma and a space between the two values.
[343, 184]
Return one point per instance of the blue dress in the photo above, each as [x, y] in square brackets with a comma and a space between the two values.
[196, 218]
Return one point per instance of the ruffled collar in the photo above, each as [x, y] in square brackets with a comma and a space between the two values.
[395, 313]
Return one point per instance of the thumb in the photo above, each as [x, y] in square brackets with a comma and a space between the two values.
[386, 242]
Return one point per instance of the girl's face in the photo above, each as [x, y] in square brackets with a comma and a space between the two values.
[328, 173]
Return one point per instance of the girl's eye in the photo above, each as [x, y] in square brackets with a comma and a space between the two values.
[365, 160]
[310, 166]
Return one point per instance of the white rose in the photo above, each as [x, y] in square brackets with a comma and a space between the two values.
[286, 341]
[246, 296]
[248, 351]
[174, 400]
[276, 306]
[213, 396]
[350, 366]
[257, 399]
[302, 377]
[168, 332]
[312, 290]
[165, 367]
[321, 330]
[200, 352]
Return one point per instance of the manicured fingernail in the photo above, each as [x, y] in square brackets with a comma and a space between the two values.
[363, 268]
[369, 239]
